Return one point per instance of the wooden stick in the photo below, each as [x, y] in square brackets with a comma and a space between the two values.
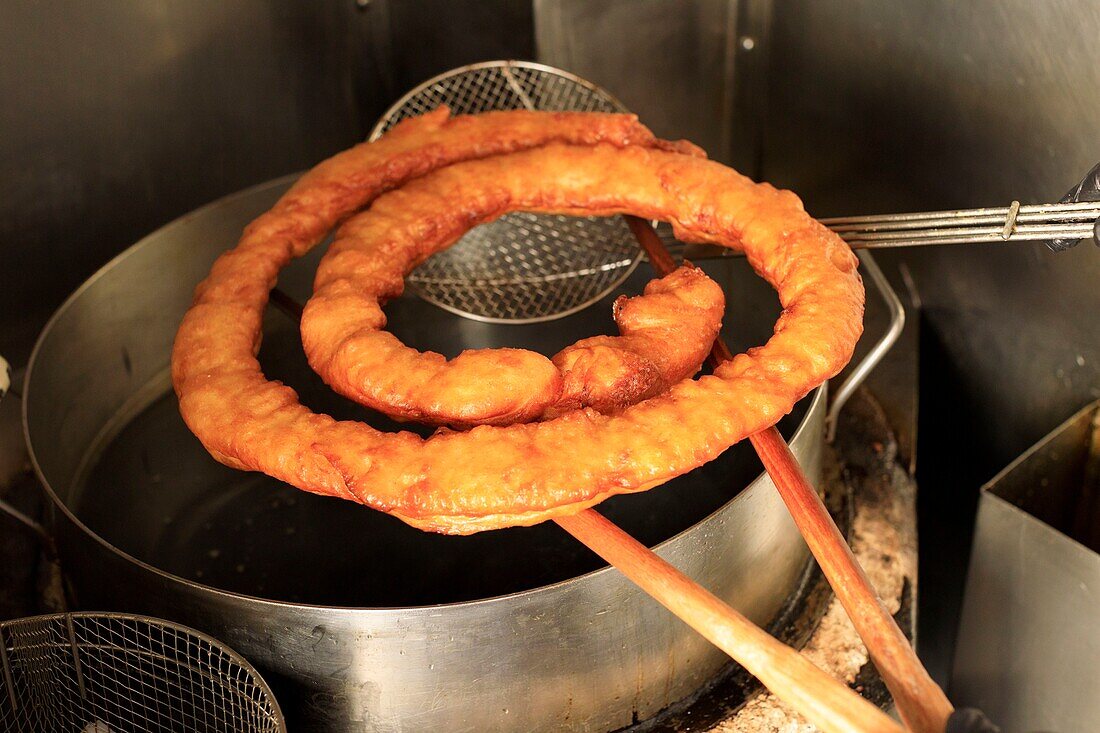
[921, 703]
[824, 701]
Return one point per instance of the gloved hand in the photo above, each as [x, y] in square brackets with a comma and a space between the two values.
[1087, 190]
[970, 720]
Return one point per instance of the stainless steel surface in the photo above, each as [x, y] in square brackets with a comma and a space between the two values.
[880, 106]
[120, 117]
[899, 106]
[695, 69]
[878, 351]
[1029, 643]
[417, 39]
[940, 105]
[357, 620]
[1014, 223]
[672, 63]
[523, 267]
[112, 672]
[892, 106]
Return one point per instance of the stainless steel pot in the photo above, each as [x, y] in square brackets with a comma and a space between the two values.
[360, 622]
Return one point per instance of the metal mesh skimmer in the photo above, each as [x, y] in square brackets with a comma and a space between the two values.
[117, 673]
[522, 267]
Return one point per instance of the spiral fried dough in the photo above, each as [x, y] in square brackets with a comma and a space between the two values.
[666, 333]
[494, 476]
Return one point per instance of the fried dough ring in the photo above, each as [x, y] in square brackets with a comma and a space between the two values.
[665, 333]
[491, 476]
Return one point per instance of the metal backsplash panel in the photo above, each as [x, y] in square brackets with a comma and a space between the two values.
[936, 104]
[118, 117]
[683, 67]
[878, 106]
[865, 106]
[422, 38]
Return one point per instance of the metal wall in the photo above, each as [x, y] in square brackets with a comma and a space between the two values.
[898, 105]
[878, 105]
[118, 117]
[689, 68]
[426, 37]
[871, 106]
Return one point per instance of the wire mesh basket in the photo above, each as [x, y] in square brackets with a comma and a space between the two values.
[523, 267]
[118, 673]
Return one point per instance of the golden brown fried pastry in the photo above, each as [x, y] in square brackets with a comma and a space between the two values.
[666, 333]
[525, 473]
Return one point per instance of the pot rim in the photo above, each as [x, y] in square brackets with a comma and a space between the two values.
[817, 397]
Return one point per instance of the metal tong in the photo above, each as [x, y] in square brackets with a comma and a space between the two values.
[1062, 225]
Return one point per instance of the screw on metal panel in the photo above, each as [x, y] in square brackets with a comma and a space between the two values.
[362, 4]
[748, 43]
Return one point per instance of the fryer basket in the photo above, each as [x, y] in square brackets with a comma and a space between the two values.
[119, 673]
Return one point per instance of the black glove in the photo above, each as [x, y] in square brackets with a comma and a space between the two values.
[1087, 190]
[970, 720]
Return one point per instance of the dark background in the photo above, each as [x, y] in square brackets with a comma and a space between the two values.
[119, 117]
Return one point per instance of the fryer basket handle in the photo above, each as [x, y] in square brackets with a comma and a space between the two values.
[881, 347]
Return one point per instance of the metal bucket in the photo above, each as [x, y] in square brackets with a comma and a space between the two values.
[358, 621]
[1028, 652]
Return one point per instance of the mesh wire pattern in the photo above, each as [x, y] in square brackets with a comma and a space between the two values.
[522, 267]
[119, 673]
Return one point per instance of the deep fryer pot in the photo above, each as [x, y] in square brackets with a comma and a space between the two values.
[359, 621]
